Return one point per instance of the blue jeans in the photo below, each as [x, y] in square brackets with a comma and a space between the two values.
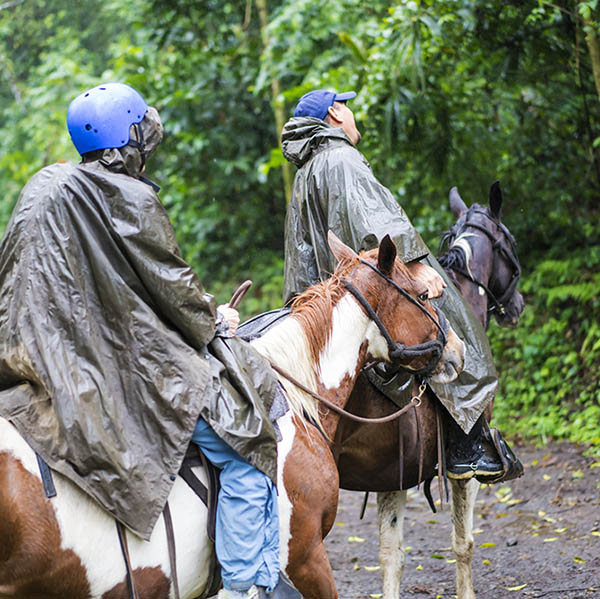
[247, 531]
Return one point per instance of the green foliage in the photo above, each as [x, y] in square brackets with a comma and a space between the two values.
[459, 92]
[550, 383]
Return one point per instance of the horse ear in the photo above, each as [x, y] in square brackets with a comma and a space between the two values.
[457, 206]
[387, 255]
[496, 200]
[339, 249]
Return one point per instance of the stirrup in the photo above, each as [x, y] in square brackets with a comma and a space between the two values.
[513, 468]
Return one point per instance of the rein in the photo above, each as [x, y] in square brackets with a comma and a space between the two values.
[495, 303]
[414, 402]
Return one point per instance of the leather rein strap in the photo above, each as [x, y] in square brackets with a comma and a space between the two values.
[414, 402]
[122, 534]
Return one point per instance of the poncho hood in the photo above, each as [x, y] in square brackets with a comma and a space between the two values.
[302, 137]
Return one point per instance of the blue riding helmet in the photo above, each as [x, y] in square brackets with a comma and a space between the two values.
[101, 117]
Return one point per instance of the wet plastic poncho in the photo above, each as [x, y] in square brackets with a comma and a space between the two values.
[335, 189]
[108, 353]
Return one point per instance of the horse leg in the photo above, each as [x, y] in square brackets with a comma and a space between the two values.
[390, 511]
[308, 496]
[463, 505]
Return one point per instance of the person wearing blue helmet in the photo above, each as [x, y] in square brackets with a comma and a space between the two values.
[113, 357]
[335, 189]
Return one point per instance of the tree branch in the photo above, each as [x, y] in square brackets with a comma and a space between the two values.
[11, 4]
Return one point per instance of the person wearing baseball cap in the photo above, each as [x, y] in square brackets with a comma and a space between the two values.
[330, 107]
[335, 189]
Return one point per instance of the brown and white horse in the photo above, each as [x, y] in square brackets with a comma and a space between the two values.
[482, 262]
[67, 546]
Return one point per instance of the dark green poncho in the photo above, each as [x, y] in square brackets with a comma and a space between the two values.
[335, 189]
[107, 347]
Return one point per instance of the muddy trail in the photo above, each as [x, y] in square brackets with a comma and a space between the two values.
[538, 536]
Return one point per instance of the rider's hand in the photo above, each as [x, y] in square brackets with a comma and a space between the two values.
[430, 277]
[231, 316]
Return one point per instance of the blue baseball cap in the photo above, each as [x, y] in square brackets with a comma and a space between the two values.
[317, 102]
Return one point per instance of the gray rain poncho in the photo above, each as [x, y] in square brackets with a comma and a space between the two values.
[108, 353]
[335, 189]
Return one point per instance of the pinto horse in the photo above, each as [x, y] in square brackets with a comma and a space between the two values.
[371, 309]
[482, 262]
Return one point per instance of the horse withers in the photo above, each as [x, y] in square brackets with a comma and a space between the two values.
[68, 547]
[390, 458]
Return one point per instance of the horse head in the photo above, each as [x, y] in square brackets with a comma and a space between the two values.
[406, 329]
[482, 259]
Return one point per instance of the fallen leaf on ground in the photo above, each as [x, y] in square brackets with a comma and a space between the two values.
[521, 586]
[487, 545]
[372, 568]
[341, 523]
[578, 560]
[551, 540]
[376, 595]
[356, 540]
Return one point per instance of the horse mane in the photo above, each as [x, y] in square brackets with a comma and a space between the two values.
[314, 307]
[459, 252]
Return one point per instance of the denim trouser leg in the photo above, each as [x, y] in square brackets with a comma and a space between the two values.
[247, 532]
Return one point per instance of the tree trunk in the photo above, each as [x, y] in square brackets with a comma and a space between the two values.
[593, 43]
[276, 100]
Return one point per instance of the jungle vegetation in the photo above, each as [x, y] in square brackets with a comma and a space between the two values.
[453, 92]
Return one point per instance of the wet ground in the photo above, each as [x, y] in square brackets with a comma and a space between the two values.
[538, 536]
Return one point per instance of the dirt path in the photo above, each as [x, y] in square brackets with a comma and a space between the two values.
[538, 536]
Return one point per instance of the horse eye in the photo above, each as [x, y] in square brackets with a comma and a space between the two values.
[423, 296]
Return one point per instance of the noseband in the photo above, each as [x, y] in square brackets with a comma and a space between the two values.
[495, 303]
[398, 351]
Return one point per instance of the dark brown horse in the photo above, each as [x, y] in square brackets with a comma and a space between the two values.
[67, 547]
[482, 262]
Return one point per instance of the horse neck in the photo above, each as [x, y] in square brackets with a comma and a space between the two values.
[328, 369]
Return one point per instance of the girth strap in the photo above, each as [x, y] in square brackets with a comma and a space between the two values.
[46, 475]
[171, 547]
[122, 534]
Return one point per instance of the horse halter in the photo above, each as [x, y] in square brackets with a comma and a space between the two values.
[399, 351]
[496, 303]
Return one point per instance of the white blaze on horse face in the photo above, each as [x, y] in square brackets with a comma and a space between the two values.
[350, 328]
[288, 432]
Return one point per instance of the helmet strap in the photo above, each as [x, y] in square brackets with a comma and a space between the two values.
[139, 144]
